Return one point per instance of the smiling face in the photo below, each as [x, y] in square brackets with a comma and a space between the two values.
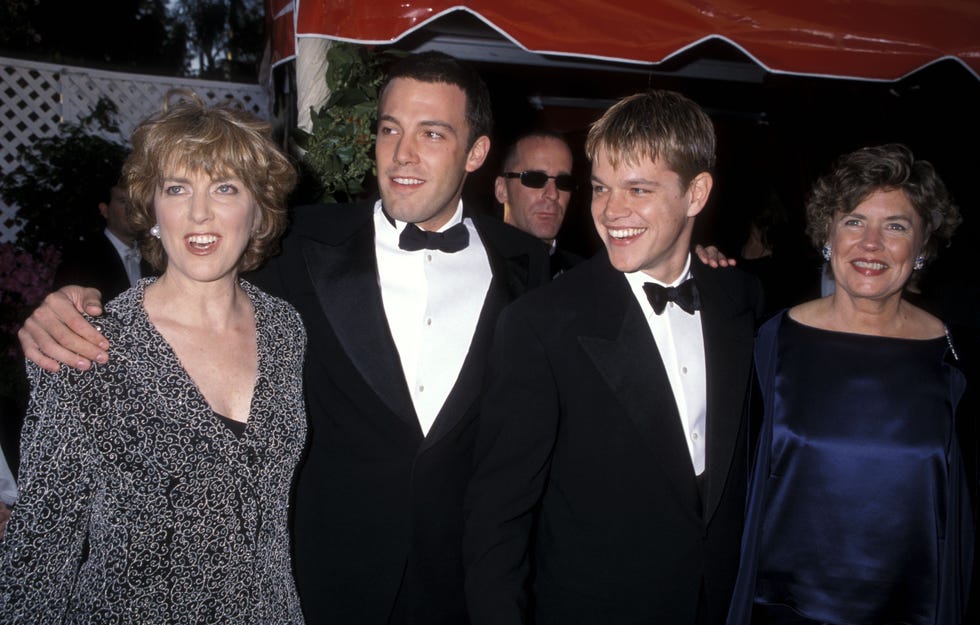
[421, 151]
[205, 224]
[874, 247]
[539, 212]
[644, 215]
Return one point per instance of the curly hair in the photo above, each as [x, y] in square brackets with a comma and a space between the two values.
[890, 167]
[186, 134]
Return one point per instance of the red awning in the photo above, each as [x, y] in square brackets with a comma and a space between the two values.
[868, 39]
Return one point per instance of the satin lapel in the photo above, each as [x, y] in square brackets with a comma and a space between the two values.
[345, 278]
[504, 288]
[625, 353]
[727, 328]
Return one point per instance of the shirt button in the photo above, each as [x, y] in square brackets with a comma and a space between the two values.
[683, 369]
[428, 321]
[421, 388]
[694, 436]
[428, 257]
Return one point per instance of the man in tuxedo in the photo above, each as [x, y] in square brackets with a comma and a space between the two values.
[109, 262]
[534, 186]
[611, 459]
[399, 299]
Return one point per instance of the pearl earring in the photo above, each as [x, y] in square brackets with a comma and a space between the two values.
[155, 230]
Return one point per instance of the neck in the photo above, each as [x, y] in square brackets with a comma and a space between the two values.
[216, 305]
[669, 269]
[861, 315]
[124, 237]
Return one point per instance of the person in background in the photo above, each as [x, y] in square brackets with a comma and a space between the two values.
[861, 506]
[611, 456]
[109, 262]
[535, 186]
[775, 253]
[155, 487]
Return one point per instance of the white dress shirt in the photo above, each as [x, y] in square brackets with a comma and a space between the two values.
[433, 301]
[130, 255]
[681, 345]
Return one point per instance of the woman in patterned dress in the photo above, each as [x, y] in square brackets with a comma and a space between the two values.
[154, 488]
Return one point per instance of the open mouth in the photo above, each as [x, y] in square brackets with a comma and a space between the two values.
[202, 243]
[624, 234]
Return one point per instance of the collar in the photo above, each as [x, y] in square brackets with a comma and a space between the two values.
[638, 278]
[121, 247]
[398, 226]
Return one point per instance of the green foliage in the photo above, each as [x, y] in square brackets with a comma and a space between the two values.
[61, 179]
[339, 150]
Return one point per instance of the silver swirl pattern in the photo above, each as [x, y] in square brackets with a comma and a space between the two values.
[138, 505]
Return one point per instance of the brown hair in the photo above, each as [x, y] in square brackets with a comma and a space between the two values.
[219, 141]
[656, 124]
[890, 167]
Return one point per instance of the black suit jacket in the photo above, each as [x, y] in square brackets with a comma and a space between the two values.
[94, 263]
[378, 507]
[562, 260]
[581, 460]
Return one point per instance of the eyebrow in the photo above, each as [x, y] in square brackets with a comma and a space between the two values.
[423, 123]
[632, 182]
[887, 218]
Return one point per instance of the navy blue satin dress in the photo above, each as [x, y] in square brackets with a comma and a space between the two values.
[858, 512]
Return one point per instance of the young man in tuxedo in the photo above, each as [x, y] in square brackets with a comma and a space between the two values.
[399, 299]
[611, 460]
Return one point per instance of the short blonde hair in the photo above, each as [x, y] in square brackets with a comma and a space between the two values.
[186, 134]
[656, 124]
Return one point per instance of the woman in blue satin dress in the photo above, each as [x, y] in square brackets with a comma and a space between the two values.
[859, 508]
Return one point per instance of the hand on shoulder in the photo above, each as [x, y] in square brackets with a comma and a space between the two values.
[57, 333]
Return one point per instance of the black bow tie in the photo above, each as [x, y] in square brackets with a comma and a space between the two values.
[684, 295]
[453, 240]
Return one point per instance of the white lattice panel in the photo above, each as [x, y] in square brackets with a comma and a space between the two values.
[36, 97]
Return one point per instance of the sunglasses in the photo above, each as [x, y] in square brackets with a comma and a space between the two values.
[537, 179]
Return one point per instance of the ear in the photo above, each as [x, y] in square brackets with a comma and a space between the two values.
[104, 210]
[478, 153]
[500, 189]
[698, 192]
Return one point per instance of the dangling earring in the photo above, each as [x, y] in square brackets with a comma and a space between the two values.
[155, 230]
[920, 262]
[826, 251]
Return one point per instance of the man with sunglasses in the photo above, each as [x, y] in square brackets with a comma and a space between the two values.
[535, 185]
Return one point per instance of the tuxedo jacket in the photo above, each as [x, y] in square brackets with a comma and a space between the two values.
[377, 521]
[584, 507]
[562, 260]
[95, 263]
